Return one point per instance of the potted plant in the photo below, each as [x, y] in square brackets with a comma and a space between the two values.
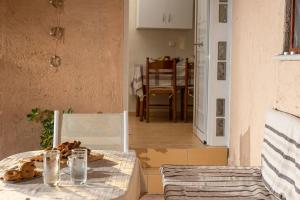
[46, 118]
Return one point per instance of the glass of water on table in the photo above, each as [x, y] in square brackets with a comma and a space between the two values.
[51, 162]
[77, 163]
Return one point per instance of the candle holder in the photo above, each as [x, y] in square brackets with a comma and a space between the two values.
[57, 3]
[55, 61]
[57, 32]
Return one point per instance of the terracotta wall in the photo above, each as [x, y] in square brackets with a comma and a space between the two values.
[259, 82]
[89, 80]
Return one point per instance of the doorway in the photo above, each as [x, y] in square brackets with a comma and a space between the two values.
[212, 50]
[162, 141]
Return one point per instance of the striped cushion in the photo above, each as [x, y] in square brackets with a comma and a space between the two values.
[281, 155]
[202, 182]
[278, 178]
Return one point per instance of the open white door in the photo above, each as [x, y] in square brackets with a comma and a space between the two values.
[201, 68]
[212, 74]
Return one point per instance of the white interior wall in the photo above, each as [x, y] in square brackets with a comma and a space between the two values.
[154, 43]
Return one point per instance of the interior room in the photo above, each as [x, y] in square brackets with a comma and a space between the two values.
[149, 99]
[156, 40]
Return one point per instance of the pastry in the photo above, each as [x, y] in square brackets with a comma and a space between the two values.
[26, 169]
[12, 175]
[38, 158]
[65, 151]
[66, 148]
[26, 164]
[38, 173]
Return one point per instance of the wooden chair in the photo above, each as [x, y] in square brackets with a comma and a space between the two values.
[188, 86]
[165, 67]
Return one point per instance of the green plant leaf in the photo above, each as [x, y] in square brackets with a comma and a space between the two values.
[46, 119]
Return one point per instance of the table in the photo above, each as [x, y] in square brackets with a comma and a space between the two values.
[117, 176]
[138, 82]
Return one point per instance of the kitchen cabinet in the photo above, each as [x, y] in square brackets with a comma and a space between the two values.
[165, 14]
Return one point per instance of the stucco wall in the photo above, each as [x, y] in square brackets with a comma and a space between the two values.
[154, 43]
[258, 81]
[89, 79]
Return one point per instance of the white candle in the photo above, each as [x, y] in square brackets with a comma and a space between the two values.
[55, 131]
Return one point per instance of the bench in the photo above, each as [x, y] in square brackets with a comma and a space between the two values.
[277, 178]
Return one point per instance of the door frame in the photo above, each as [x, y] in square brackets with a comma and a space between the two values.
[230, 11]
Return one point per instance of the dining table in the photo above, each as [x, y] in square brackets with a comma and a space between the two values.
[117, 176]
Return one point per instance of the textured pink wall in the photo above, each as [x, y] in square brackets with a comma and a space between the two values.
[259, 82]
[89, 80]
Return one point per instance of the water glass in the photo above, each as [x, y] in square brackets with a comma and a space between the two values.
[77, 163]
[51, 173]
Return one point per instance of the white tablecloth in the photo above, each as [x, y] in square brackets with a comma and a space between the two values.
[117, 176]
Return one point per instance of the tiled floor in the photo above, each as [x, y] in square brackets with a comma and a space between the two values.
[152, 197]
[161, 133]
[164, 142]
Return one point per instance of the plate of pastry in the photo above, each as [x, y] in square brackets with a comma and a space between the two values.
[25, 170]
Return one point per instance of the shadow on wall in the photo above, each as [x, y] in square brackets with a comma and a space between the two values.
[245, 148]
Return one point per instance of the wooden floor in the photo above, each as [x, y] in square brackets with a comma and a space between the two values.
[161, 133]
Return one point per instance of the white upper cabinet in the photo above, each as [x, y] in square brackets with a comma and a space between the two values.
[168, 14]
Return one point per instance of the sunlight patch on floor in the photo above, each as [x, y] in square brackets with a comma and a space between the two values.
[161, 133]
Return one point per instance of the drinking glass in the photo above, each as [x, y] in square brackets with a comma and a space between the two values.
[77, 163]
[51, 173]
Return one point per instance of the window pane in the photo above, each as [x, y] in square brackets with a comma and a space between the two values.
[221, 75]
[222, 50]
[220, 127]
[223, 13]
[297, 25]
[220, 111]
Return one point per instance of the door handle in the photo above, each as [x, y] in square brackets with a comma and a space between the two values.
[199, 44]
[164, 18]
[169, 18]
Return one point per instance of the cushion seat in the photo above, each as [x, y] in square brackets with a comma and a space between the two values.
[212, 182]
[161, 90]
[278, 177]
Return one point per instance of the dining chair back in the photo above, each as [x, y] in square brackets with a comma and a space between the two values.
[105, 131]
[161, 68]
[154, 70]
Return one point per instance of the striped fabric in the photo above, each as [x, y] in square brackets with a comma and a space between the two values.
[281, 155]
[136, 82]
[278, 178]
[213, 183]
